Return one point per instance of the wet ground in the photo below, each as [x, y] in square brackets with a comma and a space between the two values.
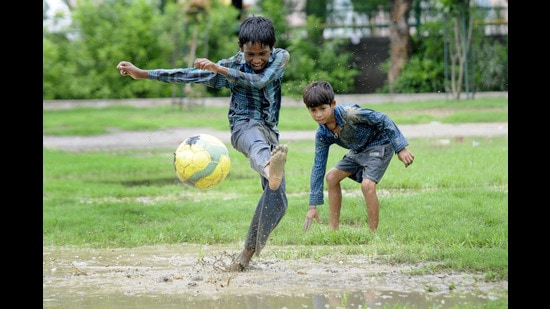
[194, 276]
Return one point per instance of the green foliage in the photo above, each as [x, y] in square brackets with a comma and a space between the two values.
[52, 68]
[277, 11]
[57, 64]
[221, 31]
[157, 35]
[216, 39]
[313, 58]
[79, 62]
[421, 74]
[109, 32]
[317, 9]
[425, 70]
[492, 66]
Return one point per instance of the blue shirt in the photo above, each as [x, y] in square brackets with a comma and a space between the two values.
[253, 95]
[360, 128]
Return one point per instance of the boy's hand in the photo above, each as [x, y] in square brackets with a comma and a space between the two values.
[312, 213]
[129, 69]
[405, 156]
[204, 64]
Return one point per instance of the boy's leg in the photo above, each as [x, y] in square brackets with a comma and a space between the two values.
[334, 177]
[377, 160]
[242, 261]
[269, 211]
[368, 187]
[255, 141]
[335, 204]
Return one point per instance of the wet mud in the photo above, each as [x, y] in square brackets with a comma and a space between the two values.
[195, 276]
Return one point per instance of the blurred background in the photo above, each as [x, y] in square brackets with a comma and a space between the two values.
[360, 46]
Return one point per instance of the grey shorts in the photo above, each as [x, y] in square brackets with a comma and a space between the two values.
[371, 163]
[255, 140]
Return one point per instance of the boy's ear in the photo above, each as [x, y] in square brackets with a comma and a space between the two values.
[333, 103]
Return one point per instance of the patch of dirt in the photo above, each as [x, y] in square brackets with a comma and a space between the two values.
[200, 271]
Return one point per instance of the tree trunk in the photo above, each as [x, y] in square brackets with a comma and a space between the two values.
[400, 38]
[459, 47]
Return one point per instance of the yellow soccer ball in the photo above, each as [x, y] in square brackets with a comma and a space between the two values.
[202, 161]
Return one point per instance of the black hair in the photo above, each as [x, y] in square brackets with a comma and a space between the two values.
[318, 93]
[257, 29]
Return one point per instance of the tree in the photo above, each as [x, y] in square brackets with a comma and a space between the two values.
[140, 31]
[452, 51]
[151, 34]
[196, 13]
[459, 27]
[317, 8]
[313, 58]
[371, 8]
[400, 38]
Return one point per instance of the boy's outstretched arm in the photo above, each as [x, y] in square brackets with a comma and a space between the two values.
[129, 69]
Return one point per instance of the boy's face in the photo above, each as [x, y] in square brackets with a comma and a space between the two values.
[323, 113]
[257, 55]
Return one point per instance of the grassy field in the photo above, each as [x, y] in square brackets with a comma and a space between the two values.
[92, 120]
[449, 207]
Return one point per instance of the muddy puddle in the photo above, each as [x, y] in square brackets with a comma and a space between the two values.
[195, 276]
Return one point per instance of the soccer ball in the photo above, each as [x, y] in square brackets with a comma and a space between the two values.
[202, 161]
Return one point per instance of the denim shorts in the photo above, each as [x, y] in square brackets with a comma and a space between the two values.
[256, 141]
[370, 163]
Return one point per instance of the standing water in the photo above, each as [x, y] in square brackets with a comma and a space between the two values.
[194, 276]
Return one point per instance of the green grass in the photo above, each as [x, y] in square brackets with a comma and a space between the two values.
[455, 213]
[99, 120]
[448, 210]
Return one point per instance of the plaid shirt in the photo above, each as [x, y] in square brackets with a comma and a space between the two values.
[253, 95]
[360, 128]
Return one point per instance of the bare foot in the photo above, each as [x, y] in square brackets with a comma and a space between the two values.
[277, 166]
[242, 261]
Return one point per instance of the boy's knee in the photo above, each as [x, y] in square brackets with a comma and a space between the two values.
[334, 177]
[368, 185]
[329, 177]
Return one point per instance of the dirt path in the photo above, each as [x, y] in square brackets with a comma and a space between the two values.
[169, 138]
